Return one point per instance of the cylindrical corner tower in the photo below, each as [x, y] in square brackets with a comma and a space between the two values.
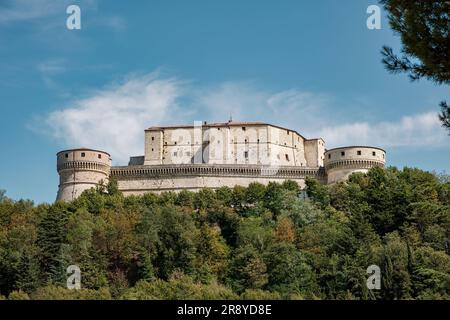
[81, 169]
[340, 163]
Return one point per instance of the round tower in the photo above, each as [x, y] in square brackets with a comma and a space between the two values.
[81, 169]
[341, 162]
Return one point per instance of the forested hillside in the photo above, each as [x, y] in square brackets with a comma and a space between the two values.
[242, 243]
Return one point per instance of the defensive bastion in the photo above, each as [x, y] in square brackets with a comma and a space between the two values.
[191, 157]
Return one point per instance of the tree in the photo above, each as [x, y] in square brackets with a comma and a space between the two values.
[285, 230]
[288, 270]
[444, 116]
[255, 232]
[176, 247]
[247, 269]
[396, 279]
[194, 245]
[2, 195]
[318, 192]
[424, 30]
[50, 239]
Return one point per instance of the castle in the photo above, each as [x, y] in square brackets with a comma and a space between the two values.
[212, 155]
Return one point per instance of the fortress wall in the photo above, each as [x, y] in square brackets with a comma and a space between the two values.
[191, 183]
[142, 179]
[342, 174]
[72, 184]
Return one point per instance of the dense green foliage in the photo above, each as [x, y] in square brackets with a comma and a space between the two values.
[260, 242]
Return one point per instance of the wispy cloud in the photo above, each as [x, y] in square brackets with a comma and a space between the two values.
[114, 118]
[414, 130]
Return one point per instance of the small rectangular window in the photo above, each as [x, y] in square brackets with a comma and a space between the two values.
[152, 149]
[153, 138]
[287, 157]
[67, 155]
[374, 153]
[243, 128]
[246, 154]
[342, 153]
[329, 156]
[99, 156]
[83, 154]
[359, 152]
[175, 154]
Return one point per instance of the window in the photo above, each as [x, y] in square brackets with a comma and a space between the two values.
[83, 154]
[175, 154]
[153, 138]
[258, 140]
[246, 154]
[358, 152]
[329, 156]
[243, 128]
[342, 153]
[67, 155]
[287, 157]
[374, 153]
[99, 156]
[288, 132]
[152, 149]
[175, 143]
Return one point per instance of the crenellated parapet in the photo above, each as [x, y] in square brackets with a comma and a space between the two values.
[216, 170]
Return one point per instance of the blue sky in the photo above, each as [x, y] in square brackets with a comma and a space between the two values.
[309, 65]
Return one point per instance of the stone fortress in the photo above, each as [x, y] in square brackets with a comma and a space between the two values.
[212, 155]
